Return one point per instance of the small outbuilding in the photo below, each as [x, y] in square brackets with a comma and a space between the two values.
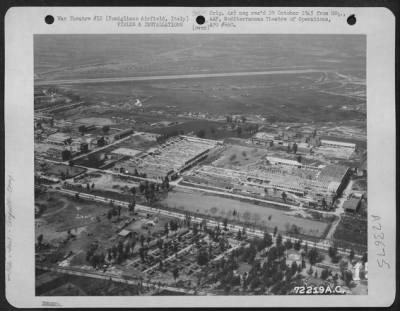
[352, 205]
[125, 233]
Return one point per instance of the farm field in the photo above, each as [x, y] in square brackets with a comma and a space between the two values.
[337, 80]
[287, 98]
[351, 230]
[201, 202]
[82, 56]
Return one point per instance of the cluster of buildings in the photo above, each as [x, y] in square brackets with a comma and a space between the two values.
[54, 143]
[170, 158]
[307, 183]
[305, 143]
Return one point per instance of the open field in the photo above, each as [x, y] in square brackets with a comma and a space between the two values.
[62, 213]
[96, 121]
[236, 156]
[212, 205]
[299, 94]
[73, 285]
[352, 230]
[83, 56]
[289, 98]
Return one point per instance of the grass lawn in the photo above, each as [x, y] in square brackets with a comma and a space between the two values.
[202, 202]
[351, 230]
[63, 171]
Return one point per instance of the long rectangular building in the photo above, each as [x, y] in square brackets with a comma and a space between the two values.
[174, 156]
[337, 144]
[315, 182]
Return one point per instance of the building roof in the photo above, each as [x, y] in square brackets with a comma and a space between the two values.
[126, 151]
[264, 135]
[338, 143]
[59, 136]
[351, 204]
[333, 172]
[284, 161]
[124, 232]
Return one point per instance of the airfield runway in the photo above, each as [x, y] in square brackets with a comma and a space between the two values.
[174, 77]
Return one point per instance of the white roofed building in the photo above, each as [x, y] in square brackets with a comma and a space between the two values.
[337, 144]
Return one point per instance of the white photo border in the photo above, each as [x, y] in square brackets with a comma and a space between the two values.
[22, 23]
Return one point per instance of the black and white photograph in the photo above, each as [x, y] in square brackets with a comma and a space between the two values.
[200, 157]
[200, 165]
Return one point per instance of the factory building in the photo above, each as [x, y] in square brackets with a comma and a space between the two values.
[337, 144]
[171, 158]
[316, 183]
[123, 134]
[285, 162]
[59, 138]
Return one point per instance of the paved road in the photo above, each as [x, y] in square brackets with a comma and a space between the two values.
[174, 77]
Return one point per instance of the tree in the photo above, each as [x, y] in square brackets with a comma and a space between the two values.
[297, 245]
[166, 229]
[267, 239]
[294, 148]
[202, 258]
[288, 244]
[347, 277]
[364, 258]
[132, 207]
[106, 129]
[343, 265]
[351, 256]
[201, 134]
[324, 204]
[225, 223]
[324, 274]
[332, 251]
[284, 196]
[313, 256]
[306, 247]
[294, 267]
[278, 241]
[82, 129]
